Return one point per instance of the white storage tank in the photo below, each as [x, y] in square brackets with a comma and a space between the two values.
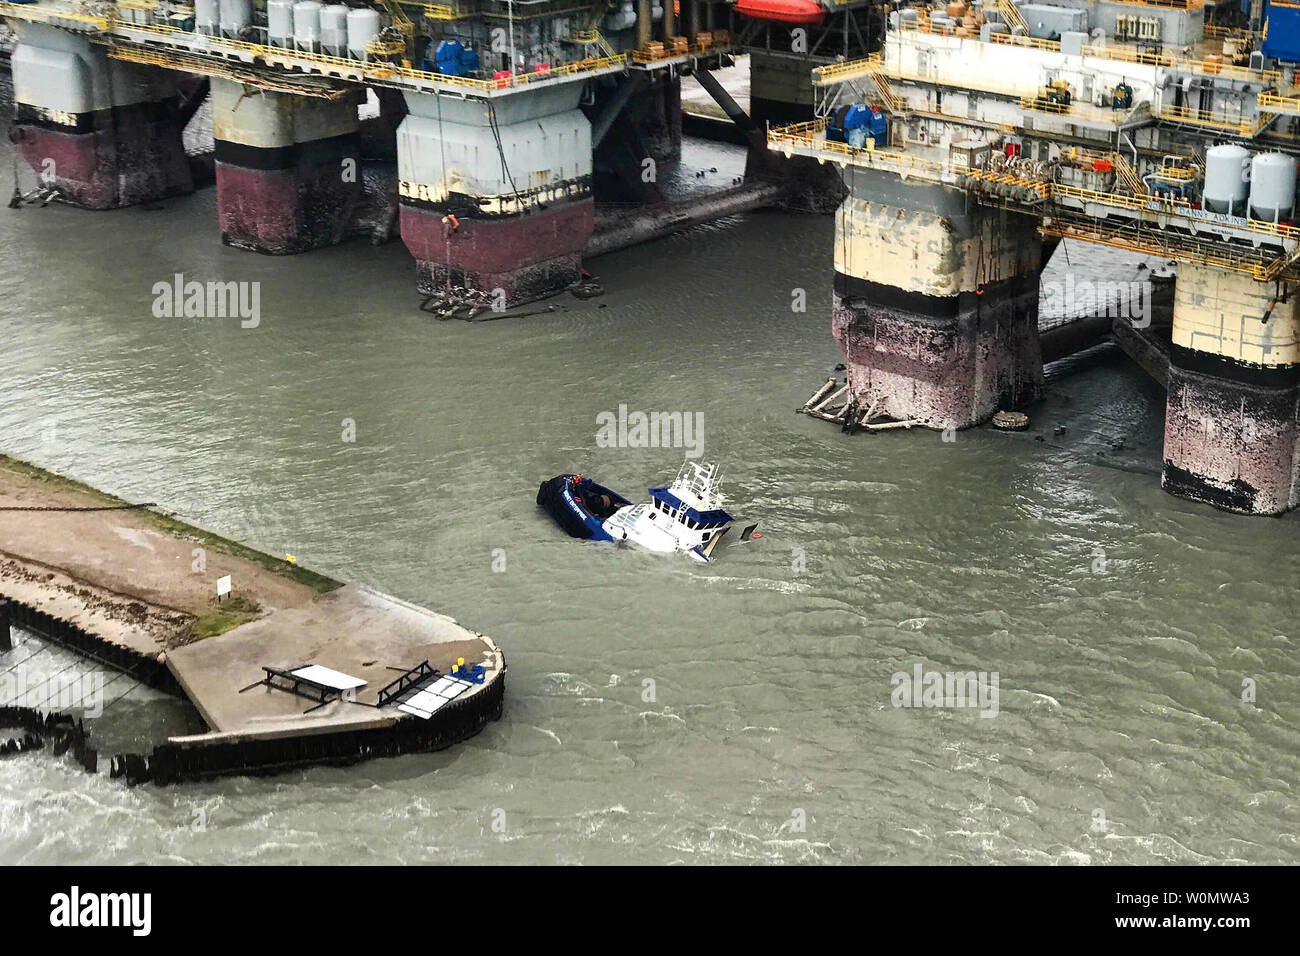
[363, 26]
[334, 29]
[622, 19]
[207, 16]
[234, 15]
[1227, 179]
[306, 25]
[279, 22]
[1272, 187]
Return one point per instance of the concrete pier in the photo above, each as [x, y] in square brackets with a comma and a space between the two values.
[936, 302]
[288, 167]
[99, 132]
[136, 590]
[1232, 424]
[496, 196]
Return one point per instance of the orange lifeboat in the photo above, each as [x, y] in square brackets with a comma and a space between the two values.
[782, 11]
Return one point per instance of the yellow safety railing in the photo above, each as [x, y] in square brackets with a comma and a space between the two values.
[1199, 67]
[519, 79]
[924, 26]
[1040, 105]
[839, 72]
[171, 33]
[808, 136]
[1180, 207]
[363, 69]
[1166, 4]
[834, 73]
[893, 102]
[871, 67]
[443, 12]
[1011, 14]
[1247, 262]
[1229, 33]
[647, 56]
[206, 66]
[1009, 39]
[1127, 174]
[1274, 102]
[594, 36]
[1240, 126]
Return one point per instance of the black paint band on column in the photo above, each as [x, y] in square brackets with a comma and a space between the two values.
[779, 111]
[45, 118]
[883, 296]
[1221, 366]
[311, 153]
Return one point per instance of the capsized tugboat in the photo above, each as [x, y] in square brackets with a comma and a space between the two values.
[687, 515]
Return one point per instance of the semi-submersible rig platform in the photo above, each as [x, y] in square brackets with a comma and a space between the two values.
[957, 144]
[1166, 127]
[504, 117]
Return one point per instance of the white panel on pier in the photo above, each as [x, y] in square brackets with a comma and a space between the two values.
[443, 691]
[330, 678]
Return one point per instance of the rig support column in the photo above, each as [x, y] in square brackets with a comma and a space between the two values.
[936, 302]
[103, 133]
[780, 92]
[644, 24]
[1232, 424]
[496, 194]
[288, 168]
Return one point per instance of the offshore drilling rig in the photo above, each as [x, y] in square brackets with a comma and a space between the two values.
[980, 135]
[505, 118]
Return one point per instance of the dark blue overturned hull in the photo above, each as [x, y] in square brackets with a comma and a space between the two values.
[563, 498]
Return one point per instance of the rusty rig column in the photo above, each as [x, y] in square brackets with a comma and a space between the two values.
[936, 302]
[101, 132]
[288, 167]
[644, 24]
[496, 194]
[780, 93]
[1232, 424]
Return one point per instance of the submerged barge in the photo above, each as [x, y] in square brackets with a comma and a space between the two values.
[287, 668]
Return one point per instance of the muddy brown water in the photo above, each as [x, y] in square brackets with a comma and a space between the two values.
[659, 711]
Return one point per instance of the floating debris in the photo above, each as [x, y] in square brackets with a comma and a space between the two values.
[1011, 421]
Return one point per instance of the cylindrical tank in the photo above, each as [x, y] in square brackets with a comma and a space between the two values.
[363, 26]
[334, 28]
[306, 24]
[207, 16]
[279, 22]
[234, 15]
[1227, 171]
[1272, 186]
[621, 19]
